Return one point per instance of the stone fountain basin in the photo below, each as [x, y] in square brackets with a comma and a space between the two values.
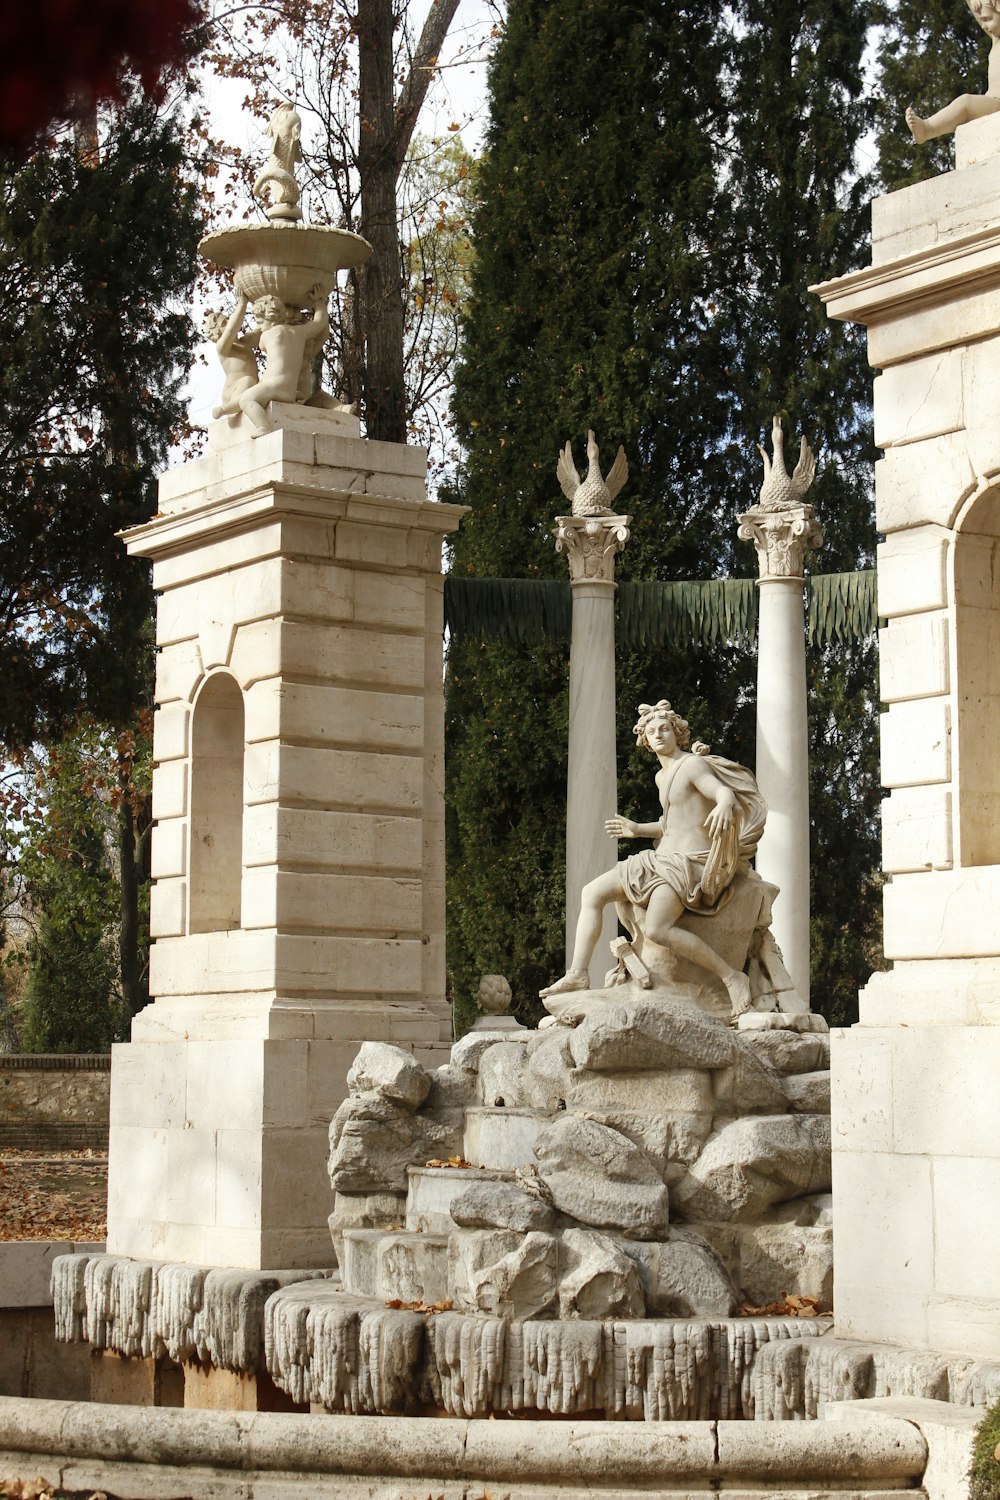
[285, 260]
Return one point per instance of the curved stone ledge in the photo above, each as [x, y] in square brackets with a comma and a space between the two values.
[354, 1355]
[226, 1449]
[143, 1309]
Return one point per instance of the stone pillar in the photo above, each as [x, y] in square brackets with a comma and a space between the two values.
[591, 544]
[916, 1106]
[781, 538]
[298, 854]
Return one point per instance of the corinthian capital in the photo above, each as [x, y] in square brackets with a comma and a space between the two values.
[591, 544]
[781, 538]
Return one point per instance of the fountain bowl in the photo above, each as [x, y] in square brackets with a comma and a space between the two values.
[285, 260]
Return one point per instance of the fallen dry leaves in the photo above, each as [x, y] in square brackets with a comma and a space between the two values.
[456, 1161]
[789, 1306]
[45, 1197]
[421, 1307]
[42, 1489]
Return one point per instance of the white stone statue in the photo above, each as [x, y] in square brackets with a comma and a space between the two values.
[781, 490]
[712, 818]
[277, 179]
[967, 106]
[593, 495]
[289, 347]
[236, 356]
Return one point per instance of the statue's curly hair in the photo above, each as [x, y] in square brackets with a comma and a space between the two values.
[648, 711]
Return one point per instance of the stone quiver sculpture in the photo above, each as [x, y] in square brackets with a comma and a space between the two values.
[284, 272]
[966, 107]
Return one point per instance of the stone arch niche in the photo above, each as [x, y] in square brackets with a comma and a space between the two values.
[216, 850]
[976, 595]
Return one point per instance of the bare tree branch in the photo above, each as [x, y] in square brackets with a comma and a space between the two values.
[414, 90]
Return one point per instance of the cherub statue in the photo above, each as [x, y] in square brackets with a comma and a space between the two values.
[239, 363]
[278, 173]
[713, 816]
[967, 106]
[287, 346]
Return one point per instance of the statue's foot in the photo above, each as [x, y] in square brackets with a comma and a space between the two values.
[916, 126]
[573, 979]
[738, 986]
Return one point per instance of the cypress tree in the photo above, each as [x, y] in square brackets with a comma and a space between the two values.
[800, 110]
[96, 260]
[595, 238]
[656, 196]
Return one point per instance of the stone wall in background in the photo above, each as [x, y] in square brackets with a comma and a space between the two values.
[55, 1103]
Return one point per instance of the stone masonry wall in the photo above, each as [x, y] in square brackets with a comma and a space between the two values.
[54, 1103]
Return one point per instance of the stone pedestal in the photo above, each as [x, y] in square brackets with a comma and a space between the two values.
[298, 849]
[591, 544]
[916, 1106]
[781, 538]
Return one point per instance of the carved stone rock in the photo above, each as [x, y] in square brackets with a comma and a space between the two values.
[810, 1093]
[373, 1141]
[598, 1177]
[753, 1163]
[597, 1280]
[364, 1211]
[500, 1205]
[389, 1072]
[547, 1077]
[691, 1280]
[780, 1258]
[451, 1088]
[467, 1052]
[749, 1083]
[650, 1035]
[791, 1053]
[503, 1273]
[500, 1070]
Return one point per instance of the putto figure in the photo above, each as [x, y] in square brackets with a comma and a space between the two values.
[287, 346]
[712, 819]
[967, 106]
[236, 356]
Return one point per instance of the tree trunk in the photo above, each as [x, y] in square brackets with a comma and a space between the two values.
[380, 283]
[133, 841]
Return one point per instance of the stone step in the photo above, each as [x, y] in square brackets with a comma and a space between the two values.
[395, 1264]
[431, 1191]
[502, 1137]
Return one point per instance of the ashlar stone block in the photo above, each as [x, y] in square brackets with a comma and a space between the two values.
[919, 399]
[913, 657]
[943, 914]
[883, 1245]
[915, 743]
[912, 571]
[917, 830]
[334, 716]
[922, 483]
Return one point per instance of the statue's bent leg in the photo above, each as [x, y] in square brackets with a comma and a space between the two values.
[662, 915]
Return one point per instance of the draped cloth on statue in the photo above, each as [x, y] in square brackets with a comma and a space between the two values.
[703, 879]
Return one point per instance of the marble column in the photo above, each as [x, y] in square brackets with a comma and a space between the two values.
[781, 538]
[591, 544]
